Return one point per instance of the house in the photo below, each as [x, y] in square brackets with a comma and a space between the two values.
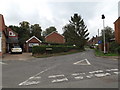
[33, 41]
[8, 37]
[12, 38]
[117, 30]
[94, 40]
[2, 36]
[55, 37]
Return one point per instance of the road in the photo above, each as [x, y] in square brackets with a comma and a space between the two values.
[80, 70]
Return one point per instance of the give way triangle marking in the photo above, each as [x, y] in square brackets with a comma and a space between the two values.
[82, 62]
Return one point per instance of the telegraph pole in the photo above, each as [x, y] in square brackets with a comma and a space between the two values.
[103, 17]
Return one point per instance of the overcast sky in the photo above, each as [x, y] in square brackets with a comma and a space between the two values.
[58, 12]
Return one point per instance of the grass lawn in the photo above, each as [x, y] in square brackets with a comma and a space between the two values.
[56, 54]
[99, 53]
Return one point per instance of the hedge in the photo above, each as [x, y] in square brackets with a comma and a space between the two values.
[52, 49]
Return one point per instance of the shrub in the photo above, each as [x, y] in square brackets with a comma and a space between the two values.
[114, 47]
[52, 49]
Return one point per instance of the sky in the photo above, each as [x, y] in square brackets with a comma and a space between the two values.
[58, 13]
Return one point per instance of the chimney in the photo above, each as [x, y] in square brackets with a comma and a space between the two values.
[118, 9]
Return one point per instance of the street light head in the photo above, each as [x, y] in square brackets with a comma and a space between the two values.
[103, 17]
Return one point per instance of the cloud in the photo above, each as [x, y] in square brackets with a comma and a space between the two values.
[58, 12]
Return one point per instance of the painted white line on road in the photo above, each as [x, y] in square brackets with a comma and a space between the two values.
[54, 76]
[26, 82]
[116, 72]
[78, 77]
[76, 74]
[3, 63]
[97, 71]
[29, 83]
[59, 80]
[111, 69]
[102, 74]
[89, 76]
[82, 62]
[35, 78]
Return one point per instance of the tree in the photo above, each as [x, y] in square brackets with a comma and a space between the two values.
[49, 30]
[36, 31]
[76, 32]
[109, 33]
[24, 32]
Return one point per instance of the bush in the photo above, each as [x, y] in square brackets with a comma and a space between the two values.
[52, 49]
[114, 47]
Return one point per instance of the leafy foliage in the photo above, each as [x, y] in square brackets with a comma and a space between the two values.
[49, 30]
[109, 33]
[76, 32]
[52, 49]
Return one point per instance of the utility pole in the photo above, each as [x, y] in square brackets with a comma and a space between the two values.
[103, 17]
[98, 32]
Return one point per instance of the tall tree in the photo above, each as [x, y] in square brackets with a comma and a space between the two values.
[76, 31]
[36, 31]
[49, 30]
[24, 32]
[109, 33]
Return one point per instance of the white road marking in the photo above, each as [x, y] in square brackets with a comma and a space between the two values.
[54, 76]
[102, 74]
[98, 71]
[76, 74]
[111, 69]
[35, 78]
[81, 62]
[89, 76]
[26, 82]
[29, 83]
[3, 63]
[78, 77]
[60, 80]
[116, 72]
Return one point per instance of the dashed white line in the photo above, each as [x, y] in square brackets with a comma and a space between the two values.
[59, 80]
[78, 77]
[98, 71]
[102, 74]
[27, 82]
[54, 76]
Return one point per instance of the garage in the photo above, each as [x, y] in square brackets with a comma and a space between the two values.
[33, 41]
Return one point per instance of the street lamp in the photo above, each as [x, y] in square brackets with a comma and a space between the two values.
[103, 17]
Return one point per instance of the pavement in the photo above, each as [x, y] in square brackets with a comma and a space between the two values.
[80, 70]
[23, 56]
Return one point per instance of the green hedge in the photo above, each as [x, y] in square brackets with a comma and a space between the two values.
[52, 49]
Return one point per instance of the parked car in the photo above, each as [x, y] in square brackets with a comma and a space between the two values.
[16, 49]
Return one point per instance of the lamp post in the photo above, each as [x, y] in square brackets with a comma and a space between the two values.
[103, 17]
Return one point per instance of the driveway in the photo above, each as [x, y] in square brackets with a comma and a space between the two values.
[23, 56]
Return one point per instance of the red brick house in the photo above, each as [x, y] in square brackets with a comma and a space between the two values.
[117, 30]
[55, 37]
[12, 39]
[2, 36]
[33, 41]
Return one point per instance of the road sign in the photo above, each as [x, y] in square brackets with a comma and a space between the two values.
[100, 41]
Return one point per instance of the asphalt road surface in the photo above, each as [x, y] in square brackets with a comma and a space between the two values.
[80, 70]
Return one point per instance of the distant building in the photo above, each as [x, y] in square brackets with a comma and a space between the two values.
[33, 41]
[93, 40]
[55, 37]
[117, 30]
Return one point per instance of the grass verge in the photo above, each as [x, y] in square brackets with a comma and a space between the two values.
[100, 53]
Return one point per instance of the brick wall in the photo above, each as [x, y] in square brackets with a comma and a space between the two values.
[117, 30]
[55, 38]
